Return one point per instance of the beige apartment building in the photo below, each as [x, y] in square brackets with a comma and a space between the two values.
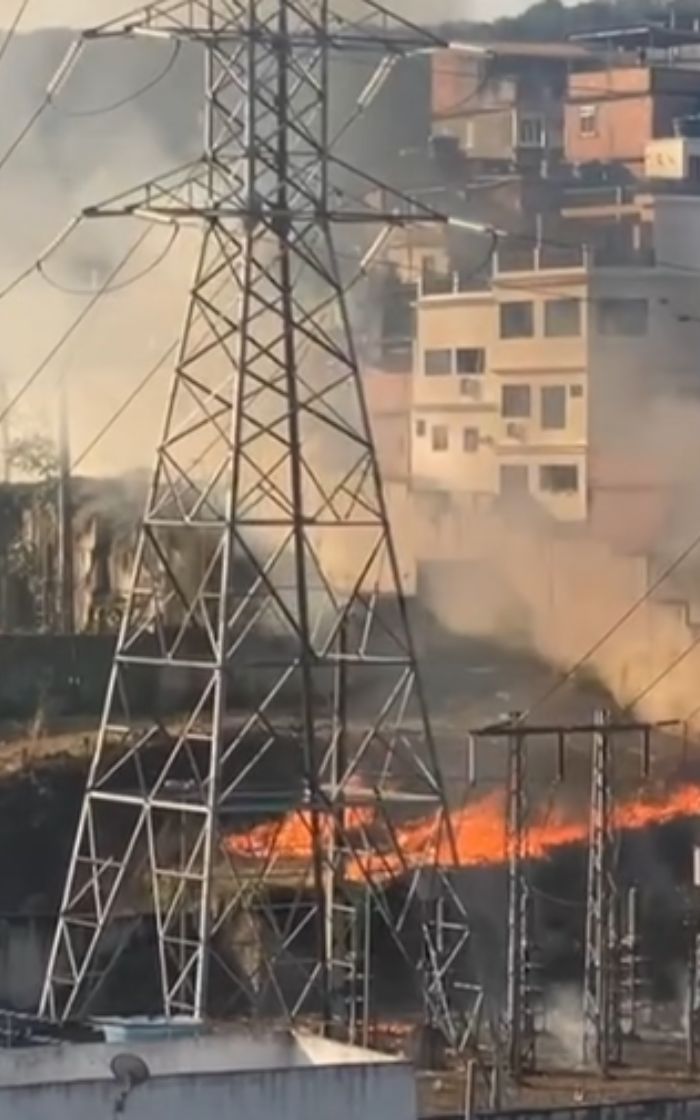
[552, 366]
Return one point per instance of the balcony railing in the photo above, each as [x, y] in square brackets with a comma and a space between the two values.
[547, 257]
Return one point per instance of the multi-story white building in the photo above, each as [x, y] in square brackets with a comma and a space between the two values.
[520, 378]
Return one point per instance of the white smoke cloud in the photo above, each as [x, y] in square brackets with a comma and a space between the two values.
[87, 13]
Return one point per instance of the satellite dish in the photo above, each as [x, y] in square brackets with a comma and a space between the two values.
[129, 1071]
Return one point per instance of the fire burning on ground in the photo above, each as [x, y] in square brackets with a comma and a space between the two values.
[478, 832]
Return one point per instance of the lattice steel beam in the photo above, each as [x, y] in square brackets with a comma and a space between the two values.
[256, 839]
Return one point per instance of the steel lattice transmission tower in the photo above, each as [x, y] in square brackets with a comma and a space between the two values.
[270, 847]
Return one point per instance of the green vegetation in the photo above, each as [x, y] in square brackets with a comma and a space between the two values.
[551, 19]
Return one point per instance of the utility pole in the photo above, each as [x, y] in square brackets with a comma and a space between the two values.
[693, 993]
[64, 516]
[267, 464]
[5, 437]
[601, 1010]
[519, 1010]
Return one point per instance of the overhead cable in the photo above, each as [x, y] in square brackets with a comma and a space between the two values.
[114, 287]
[61, 74]
[24, 4]
[70, 331]
[663, 576]
[662, 676]
[43, 256]
[99, 110]
[126, 404]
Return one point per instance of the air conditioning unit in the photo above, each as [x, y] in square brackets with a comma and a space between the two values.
[470, 387]
[516, 431]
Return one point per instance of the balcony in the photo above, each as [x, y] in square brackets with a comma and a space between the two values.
[545, 257]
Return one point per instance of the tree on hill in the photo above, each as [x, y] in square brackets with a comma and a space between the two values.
[551, 19]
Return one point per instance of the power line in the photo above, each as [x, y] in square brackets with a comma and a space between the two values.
[115, 287]
[24, 4]
[70, 331]
[114, 105]
[58, 79]
[670, 668]
[613, 629]
[125, 405]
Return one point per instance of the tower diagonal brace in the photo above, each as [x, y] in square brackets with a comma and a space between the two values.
[287, 746]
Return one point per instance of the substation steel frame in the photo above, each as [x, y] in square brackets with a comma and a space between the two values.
[520, 1012]
[266, 378]
[611, 958]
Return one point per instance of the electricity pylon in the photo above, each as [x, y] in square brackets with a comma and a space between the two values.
[265, 812]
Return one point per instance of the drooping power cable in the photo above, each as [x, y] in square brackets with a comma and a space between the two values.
[70, 331]
[99, 110]
[120, 287]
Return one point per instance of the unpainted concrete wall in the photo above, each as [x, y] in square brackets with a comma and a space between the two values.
[337, 1093]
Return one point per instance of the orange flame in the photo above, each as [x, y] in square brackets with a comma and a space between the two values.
[478, 831]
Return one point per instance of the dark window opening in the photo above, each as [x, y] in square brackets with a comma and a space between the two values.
[437, 361]
[531, 132]
[562, 318]
[440, 438]
[420, 427]
[515, 401]
[470, 361]
[553, 402]
[588, 120]
[517, 319]
[470, 439]
[559, 479]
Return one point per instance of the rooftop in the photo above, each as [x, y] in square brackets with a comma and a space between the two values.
[228, 1052]
[639, 36]
[507, 48]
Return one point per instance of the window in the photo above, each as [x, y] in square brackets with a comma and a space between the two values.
[517, 320]
[588, 120]
[440, 438]
[470, 439]
[626, 318]
[559, 479]
[513, 480]
[576, 391]
[553, 405]
[562, 318]
[437, 361]
[515, 401]
[470, 361]
[420, 427]
[531, 133]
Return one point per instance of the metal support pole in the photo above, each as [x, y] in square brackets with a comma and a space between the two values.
[630, 966]
[64, 518]
[519, 1020]
[693, 998]
[601, 1012]
[693, 995]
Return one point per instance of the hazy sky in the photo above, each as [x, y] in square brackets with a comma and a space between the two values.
[86, 13]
